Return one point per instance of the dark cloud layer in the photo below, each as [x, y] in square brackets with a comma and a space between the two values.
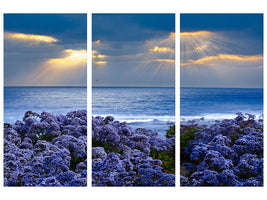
[131, 27]
[223, 22]
[246, 28]
[68, 28]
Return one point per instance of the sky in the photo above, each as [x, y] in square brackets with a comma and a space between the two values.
[221, 50]
[45, 49]
[133, 50]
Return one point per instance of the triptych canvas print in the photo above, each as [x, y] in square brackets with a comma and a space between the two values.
[133, 91]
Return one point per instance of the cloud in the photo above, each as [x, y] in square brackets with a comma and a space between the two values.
[196, 33]
[161, 49]
[96, 54]
[201, 47]
[97, 43]
[164, 60]
[45, 49]
[135, 63]
[70, 29]
[97, 58]
[69, 69]
[220, 58]
[72, 58]
[22, 58]
[30, 38]
[100, 62]
[131, 27]
[218, 50]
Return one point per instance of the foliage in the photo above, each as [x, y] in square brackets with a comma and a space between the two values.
[124, 157]
[167, 158]
[226, 153]
[171, 131]
[46, 150]
[184, 141]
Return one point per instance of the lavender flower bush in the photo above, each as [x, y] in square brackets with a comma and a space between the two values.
[46, 150]
[124, 157]
[226, 153]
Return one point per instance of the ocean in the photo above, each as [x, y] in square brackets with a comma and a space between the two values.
[219, 103]
[141, 107]
[57, 100]
[150, 108]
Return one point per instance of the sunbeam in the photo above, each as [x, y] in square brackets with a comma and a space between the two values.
[160, 54]
[199, 44]
[70, 67]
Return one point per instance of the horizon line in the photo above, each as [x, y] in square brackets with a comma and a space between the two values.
[136, 86]
[223, 87]
[42, 86]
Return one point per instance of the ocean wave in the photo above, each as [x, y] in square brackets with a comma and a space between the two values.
[217, 116]
[140, 119]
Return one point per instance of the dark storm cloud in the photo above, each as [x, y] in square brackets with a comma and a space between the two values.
[223, 22]
[242, 28]
[67, 28]
[131, 27]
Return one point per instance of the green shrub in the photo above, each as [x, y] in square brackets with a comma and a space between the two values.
[167, 158]
[107, 147]
[171, 131]
[184, 141]
[75, 161]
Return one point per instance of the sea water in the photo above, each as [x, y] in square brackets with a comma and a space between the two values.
[219, 103]
[56, 100]
[141, 107]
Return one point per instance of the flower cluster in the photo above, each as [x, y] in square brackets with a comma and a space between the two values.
[226, 153]
[123, 157]
[46, 150]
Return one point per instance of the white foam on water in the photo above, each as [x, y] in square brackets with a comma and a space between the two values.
[216, 116]
[140, 118]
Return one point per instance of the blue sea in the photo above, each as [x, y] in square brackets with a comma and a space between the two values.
[57, 100]
[219, 103]
[140, 107]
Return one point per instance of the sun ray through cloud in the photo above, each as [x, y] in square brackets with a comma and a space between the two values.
[72, 65]
[210, 48]
[160, 54]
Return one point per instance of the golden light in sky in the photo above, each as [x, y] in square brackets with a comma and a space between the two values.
[164, 60]
[212, 60]
[71, 64]
[96, 54]
[160, 55]
[210, 49]
[97, 58]
[97, 43]
[30, 37]
[196, 33]
[73, 58]
[200, 44]
[172, 34]
[100, 62]
[161, 49]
